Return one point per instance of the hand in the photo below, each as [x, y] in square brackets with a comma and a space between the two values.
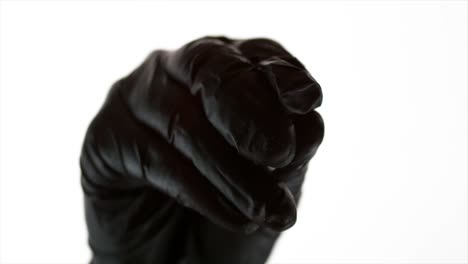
[221, 127]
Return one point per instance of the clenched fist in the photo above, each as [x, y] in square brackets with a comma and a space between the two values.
[198, 156]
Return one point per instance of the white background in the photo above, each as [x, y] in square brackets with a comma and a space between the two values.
[389, 184]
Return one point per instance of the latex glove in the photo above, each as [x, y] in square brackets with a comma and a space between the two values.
[202, 146]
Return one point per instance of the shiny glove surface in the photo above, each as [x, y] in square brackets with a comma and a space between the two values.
[198, 155]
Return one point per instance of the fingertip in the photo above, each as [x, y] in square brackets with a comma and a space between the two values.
[298, 91]
[281, 211]
[303, 99]
[273, 147]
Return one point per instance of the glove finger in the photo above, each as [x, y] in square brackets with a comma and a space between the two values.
[310, 131]
[237, 99]
[297, 90]
[160, 102]
[309, 134]
[259, 49]
[117, 144]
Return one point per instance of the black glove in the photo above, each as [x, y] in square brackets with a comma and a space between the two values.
[198, 156]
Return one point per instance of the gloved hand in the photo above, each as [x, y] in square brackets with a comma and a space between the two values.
[199, 154]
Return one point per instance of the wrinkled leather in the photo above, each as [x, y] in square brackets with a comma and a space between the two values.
[198, 155]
